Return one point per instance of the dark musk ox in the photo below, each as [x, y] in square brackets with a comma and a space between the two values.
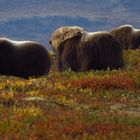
[23, 58]
[128, 36]
[79, 50]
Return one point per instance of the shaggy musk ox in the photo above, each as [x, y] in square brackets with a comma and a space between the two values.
[23, 58]
[81, 51]
[128, 36]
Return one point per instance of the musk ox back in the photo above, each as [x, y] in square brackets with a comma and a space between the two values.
[128, 36]
[23, 58]
[82, 51]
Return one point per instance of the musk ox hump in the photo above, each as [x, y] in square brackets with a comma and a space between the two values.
[124, 34]
[15, 43]
[126, 26]
[123, 29]
[63, 33]
[87, 36]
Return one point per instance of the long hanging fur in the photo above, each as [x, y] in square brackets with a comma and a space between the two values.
[23, 58]
[84, 51]
[128, 36]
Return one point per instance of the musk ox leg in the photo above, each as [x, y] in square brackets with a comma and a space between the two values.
[69, 59]
[35, 62]
[67, 56]
[59, 62]
[136, 40]
[84, 57]
[108, 54]
[63, 63]
[104, 53]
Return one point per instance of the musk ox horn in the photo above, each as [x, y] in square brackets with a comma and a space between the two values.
[63, 33]
[23, 58]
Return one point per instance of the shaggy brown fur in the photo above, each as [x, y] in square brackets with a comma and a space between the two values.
[82, 51]
[128, 36]
[136, 39]
[23, 58]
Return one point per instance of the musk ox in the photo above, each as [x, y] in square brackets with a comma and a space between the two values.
[81, 51]
[128, 36]
[23, 58]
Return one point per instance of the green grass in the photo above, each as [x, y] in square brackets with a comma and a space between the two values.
[94, 105]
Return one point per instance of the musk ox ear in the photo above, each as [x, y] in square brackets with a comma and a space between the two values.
[64, 33]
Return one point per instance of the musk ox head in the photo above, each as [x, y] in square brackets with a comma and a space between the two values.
[64, 33]
[128, 36]
[23, 58]
[79, 50]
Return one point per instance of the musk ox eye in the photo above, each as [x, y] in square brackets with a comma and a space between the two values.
[50, 42]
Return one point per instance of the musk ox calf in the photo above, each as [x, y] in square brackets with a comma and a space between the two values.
[128, 36]
[23, 58]
[81, 51]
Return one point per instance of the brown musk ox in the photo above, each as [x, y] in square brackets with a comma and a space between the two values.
[79, 50]
[128, 36]
[23, 58]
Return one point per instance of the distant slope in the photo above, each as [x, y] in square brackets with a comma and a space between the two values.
[37, 19]
[40, 28]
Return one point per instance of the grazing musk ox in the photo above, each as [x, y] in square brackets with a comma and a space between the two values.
[81, 51]
[23, 58]
[128, 36]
